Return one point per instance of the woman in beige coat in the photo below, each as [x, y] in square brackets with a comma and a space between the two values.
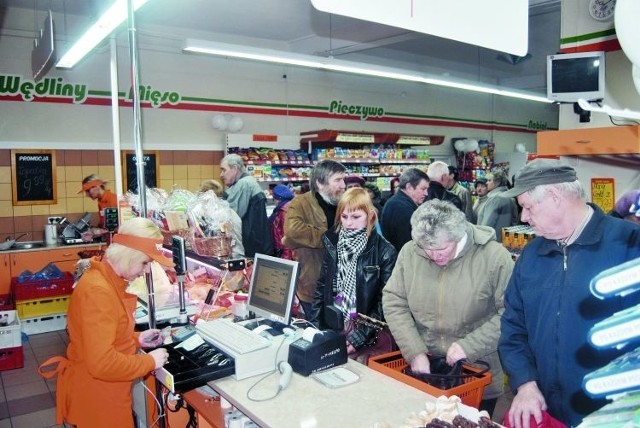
[445, 295]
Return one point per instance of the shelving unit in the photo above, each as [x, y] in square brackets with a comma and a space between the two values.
[371, 154]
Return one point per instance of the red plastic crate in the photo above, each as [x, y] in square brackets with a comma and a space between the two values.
[30, 290]
[6, 302]
[11, 358]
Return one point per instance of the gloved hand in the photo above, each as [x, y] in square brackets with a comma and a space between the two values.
[151, 338]
[160, 357]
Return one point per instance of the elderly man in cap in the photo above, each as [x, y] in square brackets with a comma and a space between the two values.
[549, 308]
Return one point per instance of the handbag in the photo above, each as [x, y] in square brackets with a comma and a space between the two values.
[444, 376]
[382, 341]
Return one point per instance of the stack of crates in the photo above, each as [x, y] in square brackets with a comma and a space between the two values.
[42, 304]
[11, 355]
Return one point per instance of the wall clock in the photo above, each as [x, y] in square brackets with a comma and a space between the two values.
[602, 10]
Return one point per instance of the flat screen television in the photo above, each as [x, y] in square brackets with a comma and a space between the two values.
[576, 75]
[273, 284]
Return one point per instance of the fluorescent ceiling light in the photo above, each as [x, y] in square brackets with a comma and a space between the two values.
[109, 21]
[269, 55]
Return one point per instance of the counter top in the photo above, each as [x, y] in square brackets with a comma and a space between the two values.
[58, 246]
[372, 401]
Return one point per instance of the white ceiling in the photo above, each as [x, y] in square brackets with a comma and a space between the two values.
[294, 25]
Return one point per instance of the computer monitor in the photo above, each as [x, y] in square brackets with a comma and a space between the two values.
[273, 284]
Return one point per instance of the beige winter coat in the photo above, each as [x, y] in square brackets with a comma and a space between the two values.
[428, 307]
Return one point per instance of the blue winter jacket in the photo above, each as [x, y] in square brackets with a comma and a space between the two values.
[550, 309]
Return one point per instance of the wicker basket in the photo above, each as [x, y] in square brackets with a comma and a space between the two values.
[214, 246]
[168, 234]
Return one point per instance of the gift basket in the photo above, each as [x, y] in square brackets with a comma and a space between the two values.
[213, 225]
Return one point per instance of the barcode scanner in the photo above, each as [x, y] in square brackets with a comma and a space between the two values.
[285, 375]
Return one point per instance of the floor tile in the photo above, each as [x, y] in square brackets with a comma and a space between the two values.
[44, 339]
[20, 376]
[31, 404]
[4, 411]
[28, 389]
[41, 419]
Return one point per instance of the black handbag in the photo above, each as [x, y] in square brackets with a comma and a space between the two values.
[444, 376]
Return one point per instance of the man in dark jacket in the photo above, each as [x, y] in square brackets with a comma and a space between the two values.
[438, 173]
[549, 308]
[246, 198]
[308, 217]
[397, 211]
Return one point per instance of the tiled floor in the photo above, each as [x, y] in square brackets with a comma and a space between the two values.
[26, 399]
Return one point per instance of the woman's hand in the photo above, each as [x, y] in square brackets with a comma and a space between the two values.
[420, 364]
[455, 353]
[160, 356]
[151, 338]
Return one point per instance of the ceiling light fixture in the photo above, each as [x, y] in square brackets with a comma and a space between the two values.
[109, 21]
[273, 56]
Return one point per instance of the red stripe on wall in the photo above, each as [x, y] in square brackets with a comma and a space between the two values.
[280, 112]
[607, 46]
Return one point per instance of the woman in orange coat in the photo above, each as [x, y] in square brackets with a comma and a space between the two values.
[95, 379]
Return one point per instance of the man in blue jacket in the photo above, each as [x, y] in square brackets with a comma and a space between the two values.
[549, 307]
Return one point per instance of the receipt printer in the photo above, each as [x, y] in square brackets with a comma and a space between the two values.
[317, 350]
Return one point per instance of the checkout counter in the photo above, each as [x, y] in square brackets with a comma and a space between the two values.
[375, 400]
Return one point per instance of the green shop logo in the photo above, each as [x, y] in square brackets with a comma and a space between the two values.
[537, 125]
[155, 97]
[49, 87]
[365, 112]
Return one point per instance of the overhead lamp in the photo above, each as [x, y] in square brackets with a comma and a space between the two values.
[109, 21]
[308, 61]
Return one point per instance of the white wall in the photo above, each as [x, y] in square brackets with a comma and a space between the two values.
[167, 69]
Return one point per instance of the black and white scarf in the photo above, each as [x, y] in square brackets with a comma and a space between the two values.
[351, 243]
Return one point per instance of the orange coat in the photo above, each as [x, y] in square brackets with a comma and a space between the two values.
[94, 381]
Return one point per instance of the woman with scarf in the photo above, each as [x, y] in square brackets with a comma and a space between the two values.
[282, 195]
[356, 266]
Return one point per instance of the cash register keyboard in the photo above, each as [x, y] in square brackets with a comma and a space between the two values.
[231, 335]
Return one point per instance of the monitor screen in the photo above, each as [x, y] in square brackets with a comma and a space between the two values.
[272, 287]
[571, 77]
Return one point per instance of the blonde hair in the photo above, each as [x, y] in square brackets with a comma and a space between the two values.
[214, 185]
[124, 258]
[355, 199]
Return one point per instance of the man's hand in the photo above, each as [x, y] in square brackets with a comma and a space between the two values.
[455, 353]
[527, 402]
[420, 364]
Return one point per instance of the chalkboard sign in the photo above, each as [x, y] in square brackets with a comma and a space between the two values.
[130, 172]
[34, 177]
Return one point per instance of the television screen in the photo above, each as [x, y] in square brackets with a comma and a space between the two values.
[571, 77]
